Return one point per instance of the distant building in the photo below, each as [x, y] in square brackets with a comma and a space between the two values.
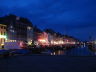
[36, 33]
[43, 39]
[3, 35]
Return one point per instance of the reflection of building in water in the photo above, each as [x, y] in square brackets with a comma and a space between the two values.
[3, 36]
[58, 52]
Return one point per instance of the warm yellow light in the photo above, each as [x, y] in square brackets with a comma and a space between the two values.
[29, 43]
[61, 42]
[2, 44]
[56, 43]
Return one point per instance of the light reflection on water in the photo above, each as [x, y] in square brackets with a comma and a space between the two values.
[80, 51]
[59, 52]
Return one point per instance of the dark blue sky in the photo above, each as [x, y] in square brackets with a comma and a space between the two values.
[72, 17]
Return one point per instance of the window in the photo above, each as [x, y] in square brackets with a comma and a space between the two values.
[1, 40]
[4, 27]
[1, 32]
[4, 33]
[1, 27]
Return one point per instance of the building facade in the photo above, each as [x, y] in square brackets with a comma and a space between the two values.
[3, 34]
[17, 28]
[29, 35]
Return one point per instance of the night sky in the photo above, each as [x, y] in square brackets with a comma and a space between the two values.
[73, 17]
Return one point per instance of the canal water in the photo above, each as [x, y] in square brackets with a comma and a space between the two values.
[79, 51]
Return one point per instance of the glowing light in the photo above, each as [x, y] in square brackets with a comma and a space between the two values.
[29, 43]
[95, 41]
[61, 42]
[29, 28]
[2, 44]
[52, 42]
[3, 36]
[56, 43]
[72, 42]
[42, 40]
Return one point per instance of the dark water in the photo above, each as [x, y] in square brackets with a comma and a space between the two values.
[80, 51]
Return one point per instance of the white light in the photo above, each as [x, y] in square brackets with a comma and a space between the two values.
[29, 28]
[2, 36]
[42, 40]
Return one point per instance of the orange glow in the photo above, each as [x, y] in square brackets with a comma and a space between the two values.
[42, 40]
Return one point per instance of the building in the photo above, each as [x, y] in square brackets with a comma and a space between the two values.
[29, 35]
[3, 35]
[43, 39]
[36, 33]
[17, 28]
